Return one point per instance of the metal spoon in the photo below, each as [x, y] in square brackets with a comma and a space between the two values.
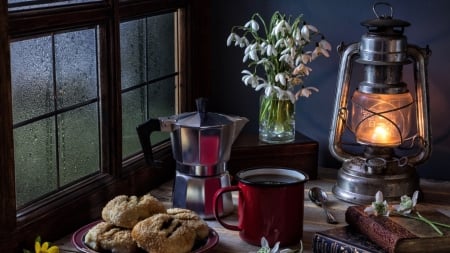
[320, 198]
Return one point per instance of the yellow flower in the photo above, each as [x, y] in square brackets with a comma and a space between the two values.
[44, 248]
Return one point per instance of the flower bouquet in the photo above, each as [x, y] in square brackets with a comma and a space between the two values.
[278, 61]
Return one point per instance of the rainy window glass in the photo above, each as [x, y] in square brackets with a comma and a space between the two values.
[55, 111]
[17, 5]
[148, 75]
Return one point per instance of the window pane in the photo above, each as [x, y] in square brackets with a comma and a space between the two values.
[31, 77]
[55, 111]
[78, 143]
[35, 160]
[132, 53]
[76, 67]
[147, 49]
[160, 45]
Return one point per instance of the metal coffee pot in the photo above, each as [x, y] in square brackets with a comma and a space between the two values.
[201, 145]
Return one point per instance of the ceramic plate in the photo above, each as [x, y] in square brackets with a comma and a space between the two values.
[78, 240]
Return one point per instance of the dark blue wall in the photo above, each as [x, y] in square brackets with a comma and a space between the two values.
[340, 22]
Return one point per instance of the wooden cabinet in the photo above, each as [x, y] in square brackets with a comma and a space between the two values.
[248, 151]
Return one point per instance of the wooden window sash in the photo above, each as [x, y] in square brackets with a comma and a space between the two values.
[82, 202]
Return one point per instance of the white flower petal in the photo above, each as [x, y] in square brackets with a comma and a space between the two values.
[379, 197]
[243, 42]
[230, 39]
[275, 248]
[312, 28]
[305, 33]
[325, 45]
[252, 24]
[414, 198]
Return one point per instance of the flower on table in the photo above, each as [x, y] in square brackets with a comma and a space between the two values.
[406, 208]
[43, 248]
[280, 50]
[266, 249]
[379, 206]
[407, 203]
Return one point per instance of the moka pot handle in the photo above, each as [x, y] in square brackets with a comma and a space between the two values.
[144, 131]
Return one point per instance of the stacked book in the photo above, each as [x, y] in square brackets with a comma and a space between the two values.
[384, 234]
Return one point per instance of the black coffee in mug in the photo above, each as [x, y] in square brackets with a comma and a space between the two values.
[270, 176]
[271, 179]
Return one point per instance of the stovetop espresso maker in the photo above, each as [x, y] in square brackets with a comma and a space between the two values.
[201, 145]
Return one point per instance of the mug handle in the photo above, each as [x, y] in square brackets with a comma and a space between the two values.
[216, 201]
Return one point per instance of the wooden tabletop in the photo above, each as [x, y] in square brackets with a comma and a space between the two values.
[436, 194]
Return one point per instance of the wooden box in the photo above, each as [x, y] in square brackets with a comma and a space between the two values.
[301, 154]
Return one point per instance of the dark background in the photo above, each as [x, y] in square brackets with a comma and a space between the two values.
[340, 22]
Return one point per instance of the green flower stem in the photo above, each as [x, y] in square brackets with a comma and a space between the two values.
[430, 223]
[276, 113]
[433, 224]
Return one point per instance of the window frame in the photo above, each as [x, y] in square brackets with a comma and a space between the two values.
[82, 202]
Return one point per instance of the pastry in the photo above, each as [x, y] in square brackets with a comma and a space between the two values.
[163, 233]
[106, 236]
[125, 211]
[191, 219]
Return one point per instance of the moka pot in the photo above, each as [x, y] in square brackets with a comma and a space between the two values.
[201, 145]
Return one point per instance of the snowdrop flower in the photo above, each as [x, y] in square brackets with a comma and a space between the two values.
[243, 42]
[280, 43]
[324, 44]
[265, 248]
[295, 80]
[280, 78]
[318, 51]
[251, 79]
[297, 34]
[270, 50]
[407, 203]
[251, 51]
[232, 37]
[253, 25]
[281, 28]
[305, 31]
[379, 207]
[266, 86]
[302, 70]
[305, 92]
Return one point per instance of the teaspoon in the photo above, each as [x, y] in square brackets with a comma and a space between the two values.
[320, 198]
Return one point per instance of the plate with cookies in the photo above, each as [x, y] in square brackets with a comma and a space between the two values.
[132, 224]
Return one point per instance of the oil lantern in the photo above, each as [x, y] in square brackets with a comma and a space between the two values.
[381, 131]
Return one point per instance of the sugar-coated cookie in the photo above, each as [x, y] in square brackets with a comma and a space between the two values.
[163, 233]
[191, 219]
[125, 211]
[106, 236]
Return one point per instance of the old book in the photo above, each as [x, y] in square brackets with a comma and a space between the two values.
[397, 234]
[343, 239]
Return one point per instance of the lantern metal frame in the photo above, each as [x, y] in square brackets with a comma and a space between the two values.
[380, 168]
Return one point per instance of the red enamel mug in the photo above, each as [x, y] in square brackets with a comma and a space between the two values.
[270, 205]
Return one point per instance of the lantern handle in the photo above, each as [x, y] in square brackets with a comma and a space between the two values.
[374, 8]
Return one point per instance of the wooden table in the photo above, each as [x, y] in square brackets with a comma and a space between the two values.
[436, 193]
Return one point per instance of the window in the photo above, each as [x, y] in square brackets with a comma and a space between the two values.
[76, 78]
[55, 111]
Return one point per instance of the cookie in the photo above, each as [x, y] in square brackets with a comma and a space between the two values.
[125, 211]
[191, 219]
[106, 236]
[163, 233]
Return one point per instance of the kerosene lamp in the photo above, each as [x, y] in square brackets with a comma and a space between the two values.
[382, 131]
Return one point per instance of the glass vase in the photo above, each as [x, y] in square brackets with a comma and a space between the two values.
[276, 119]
